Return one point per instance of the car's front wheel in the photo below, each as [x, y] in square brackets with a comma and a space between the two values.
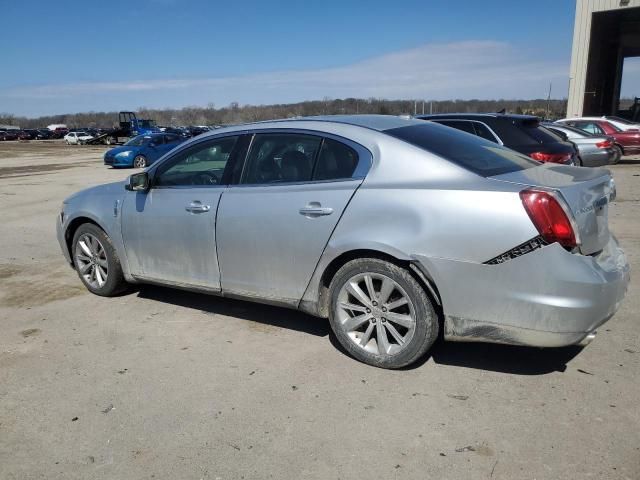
[380, 314]
[96, 261]
[140, 161]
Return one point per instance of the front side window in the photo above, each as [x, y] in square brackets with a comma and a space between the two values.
[138, 141]
[281, 158]
[202, 164]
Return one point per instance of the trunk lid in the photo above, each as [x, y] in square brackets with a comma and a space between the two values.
[587, 192]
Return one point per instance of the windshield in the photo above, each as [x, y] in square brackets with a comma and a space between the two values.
[139, 140]
[614, 128]
[473, 153]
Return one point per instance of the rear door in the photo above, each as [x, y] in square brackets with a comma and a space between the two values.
[274, 225]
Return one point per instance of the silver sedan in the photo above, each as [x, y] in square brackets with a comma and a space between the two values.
[394, 229]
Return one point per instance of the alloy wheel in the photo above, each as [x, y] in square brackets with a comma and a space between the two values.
[140, 161]
[376, 313]
[91, 259]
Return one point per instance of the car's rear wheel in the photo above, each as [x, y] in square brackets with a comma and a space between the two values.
[140, 161]
[96, 261]
[380, 314]
[617, 155]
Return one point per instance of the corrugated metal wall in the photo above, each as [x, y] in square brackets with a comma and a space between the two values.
[580, 50]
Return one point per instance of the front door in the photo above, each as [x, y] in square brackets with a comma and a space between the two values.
[273, 226]
[169, 231]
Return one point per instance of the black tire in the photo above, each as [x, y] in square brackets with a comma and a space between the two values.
[108, 141]
[115, 282]
[426, 327]
[140, 161]
[618, 154]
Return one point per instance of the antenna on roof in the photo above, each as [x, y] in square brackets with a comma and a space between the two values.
[504, 110]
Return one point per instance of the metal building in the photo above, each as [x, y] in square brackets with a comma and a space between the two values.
[605, 33]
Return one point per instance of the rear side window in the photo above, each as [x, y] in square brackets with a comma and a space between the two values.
[281, 158]
[570, 132]
[458, 124]
[335, 161]
[590, 127]
[524, 133]
[483, 131]
[480, 156]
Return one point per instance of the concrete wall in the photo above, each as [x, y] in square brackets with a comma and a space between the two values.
[581, 47]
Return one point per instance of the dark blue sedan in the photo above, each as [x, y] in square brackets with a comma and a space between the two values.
[142, 151]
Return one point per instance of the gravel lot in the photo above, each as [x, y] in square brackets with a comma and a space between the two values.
[172, 385]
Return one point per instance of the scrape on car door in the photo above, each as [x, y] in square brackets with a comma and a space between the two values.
[169, 231]
[273, 227]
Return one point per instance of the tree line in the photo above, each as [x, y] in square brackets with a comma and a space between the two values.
[236, 113]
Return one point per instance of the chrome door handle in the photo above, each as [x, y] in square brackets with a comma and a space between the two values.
[315, 211]
[197, 207]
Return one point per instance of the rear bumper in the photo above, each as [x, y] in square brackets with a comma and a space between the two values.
[546, 298]
[598, 158]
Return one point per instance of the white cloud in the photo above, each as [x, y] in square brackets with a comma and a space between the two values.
[461, 70]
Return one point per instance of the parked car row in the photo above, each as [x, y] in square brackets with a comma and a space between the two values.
[27, 134]
[589, 142]
[627, 139]
[394, 229]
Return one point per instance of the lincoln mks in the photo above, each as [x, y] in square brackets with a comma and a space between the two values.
[394, 229]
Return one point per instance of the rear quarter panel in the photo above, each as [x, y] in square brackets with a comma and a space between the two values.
[415, 204]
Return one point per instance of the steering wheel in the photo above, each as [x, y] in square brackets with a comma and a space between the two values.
[206, 178]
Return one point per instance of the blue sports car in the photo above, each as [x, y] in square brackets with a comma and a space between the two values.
[142, 151]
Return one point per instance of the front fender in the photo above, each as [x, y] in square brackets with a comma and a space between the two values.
[103, 209]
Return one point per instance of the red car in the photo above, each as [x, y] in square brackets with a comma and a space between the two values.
[627, 140]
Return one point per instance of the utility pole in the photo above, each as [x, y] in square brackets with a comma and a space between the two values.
[423, 107]
[415, 107]
[431, 107]
[548, 101]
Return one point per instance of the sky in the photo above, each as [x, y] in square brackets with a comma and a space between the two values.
[65, 57]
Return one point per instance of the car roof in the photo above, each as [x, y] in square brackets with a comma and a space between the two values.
[328, 123]
[581, 119]
[507, 116]
[372, 122]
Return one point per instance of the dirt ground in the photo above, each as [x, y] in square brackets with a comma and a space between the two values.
[162, 384]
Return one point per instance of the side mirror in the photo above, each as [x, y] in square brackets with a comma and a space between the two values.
[138, 182]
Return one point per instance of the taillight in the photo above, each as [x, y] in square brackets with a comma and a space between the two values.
[551, 157]
[604, 144]
[548, 216]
